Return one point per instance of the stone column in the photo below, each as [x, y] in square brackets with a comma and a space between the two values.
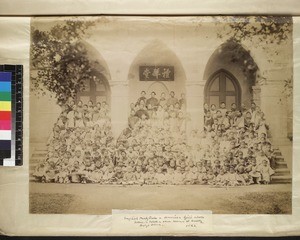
[195, 101]
[274, 105]
[256, 94]
[119, 106]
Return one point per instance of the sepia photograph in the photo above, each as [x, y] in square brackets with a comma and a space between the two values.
[161, 113]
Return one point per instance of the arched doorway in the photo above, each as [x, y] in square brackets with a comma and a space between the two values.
[232, 61]
[95, 90]
[230, 76]
[222, 86]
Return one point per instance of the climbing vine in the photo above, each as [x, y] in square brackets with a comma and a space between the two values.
[260, 31]
[59, 59]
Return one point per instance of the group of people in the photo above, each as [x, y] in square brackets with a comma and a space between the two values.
[156, 148]
[159, 113]
[81, 140]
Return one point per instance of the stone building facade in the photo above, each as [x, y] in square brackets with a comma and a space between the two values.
[200, 52]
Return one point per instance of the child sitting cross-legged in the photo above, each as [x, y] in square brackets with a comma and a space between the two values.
[87, 171]
[76, 172]
[191, 176]
[50, 172]
[139, 175]
[221, 179]
[129, 176]
[253, 171]
[232, 178]
[39, 173]
[266, 172]
[108, 175]
[160, 176]
[63, 175]
[150, 176]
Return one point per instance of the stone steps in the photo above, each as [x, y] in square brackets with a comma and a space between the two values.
[279, 159]
[38, 155]
[281, 179]
[281, 165]
[282, 173]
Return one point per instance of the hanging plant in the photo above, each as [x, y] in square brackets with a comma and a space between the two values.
[268, 29]
[258, 30]
[288, 87]
[242, 58]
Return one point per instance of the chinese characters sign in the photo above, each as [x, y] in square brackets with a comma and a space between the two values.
[156, 73]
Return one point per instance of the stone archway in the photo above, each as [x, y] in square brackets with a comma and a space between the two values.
[156, 53]
[239, 66]
[98, 88]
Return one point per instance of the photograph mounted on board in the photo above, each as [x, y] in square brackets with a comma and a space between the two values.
[161, 113]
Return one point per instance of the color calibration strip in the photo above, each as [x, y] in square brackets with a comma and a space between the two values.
[5, 115]
[11, 115]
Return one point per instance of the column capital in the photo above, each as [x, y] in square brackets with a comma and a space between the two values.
[118, 83]
[195, 83]
[119, 89]
[274, 88]
[275, 75]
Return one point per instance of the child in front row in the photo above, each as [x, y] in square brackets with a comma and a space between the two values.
[253, 171]
[221, 179]
[87, 170]
[139, 175]
[39, 173]
[266, 172]
[108, 176]
[150, 176]
[64, 170]
[160, 176]
[191, 177]
[129, 176]
[232, 178]
[50, 172]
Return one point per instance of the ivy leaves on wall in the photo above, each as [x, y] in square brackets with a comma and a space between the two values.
[256, 30]
[59, 59]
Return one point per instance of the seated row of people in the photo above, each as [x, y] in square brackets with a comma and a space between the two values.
[157, 171]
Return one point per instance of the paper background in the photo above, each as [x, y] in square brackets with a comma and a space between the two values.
[14, 215]
[150, 7]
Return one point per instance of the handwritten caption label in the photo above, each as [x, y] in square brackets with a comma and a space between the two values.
[161, 221]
